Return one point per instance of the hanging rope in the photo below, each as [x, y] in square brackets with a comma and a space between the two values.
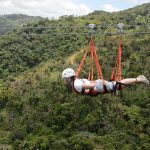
[117, 72]
[90, 76]
[93, 57]
[98, 67]
[81, 63]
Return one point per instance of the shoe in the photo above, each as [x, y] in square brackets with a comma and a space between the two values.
[143, 79]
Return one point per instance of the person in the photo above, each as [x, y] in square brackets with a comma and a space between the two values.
[98, 86]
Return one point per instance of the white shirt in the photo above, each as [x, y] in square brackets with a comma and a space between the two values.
[99, 87]
[79, 82]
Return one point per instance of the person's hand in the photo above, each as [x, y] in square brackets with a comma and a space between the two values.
[92, 84]
[88, 86]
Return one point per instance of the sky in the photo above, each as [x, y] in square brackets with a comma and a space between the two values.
[57, 8]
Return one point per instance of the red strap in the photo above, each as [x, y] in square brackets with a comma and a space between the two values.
[90, 77]
[81, 63]
[116, 74]
[93, 57]
[98, 67]
[119, 59]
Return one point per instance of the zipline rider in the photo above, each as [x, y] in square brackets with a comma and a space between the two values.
[85, 86]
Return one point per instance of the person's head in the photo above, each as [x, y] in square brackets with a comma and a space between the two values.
[68, 74]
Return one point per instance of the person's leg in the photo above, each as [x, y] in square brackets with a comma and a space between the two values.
[129, 81]
[139, 79]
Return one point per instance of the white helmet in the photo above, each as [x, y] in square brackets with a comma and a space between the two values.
[67, 73]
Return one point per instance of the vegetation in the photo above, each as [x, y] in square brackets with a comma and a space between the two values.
[7, 22]
[38, 112]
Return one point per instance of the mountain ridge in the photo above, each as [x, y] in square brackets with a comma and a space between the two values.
[15, 20]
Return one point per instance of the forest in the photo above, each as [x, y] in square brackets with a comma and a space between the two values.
[37, 111]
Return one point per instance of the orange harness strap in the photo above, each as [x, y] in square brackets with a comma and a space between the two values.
[81, 63]
[90, 76]
[94, 55]
[116, 74]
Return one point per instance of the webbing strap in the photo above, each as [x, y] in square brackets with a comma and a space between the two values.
[116, 74]
[90, 77]
[92, 48]
[93, 57]
[81, 63]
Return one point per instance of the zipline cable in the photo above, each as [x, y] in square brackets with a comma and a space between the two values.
[84, 33]
[69, 26]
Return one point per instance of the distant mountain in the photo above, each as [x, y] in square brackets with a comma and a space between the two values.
[15, 20]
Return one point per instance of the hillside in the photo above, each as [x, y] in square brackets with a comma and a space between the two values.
[38, 112]
[15, 20]
[60, 38]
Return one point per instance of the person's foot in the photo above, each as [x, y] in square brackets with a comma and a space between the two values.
[142, 79]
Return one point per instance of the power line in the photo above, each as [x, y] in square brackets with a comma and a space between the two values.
[88, 33]
[69, 26]
[83, 33]
[91, 27]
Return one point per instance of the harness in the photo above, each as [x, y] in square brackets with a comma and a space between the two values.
[116, 74]
[92, 92]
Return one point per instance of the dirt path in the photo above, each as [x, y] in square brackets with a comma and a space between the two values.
[71, 60]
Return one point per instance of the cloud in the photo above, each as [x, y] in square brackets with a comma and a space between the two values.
[44, 8]
[109, 8]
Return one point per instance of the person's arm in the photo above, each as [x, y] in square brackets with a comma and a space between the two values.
[79, 85]
[88, 86]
